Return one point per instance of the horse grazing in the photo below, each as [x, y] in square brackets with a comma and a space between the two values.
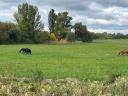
[123, 52]
[25, 51]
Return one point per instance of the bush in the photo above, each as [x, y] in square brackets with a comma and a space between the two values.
[63, 34]
[38, 75]
[14, 36]
[42, 37]
[113, 78]
[28, 41]
[70, 36]
[53, 36]
[3, 37]
[63, 87]
[87, 37]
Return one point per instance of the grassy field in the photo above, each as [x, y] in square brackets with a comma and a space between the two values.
[94, 61]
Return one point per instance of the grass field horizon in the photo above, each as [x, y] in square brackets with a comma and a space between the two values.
[93, 61]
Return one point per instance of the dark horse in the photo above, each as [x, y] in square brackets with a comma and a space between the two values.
[25, 51]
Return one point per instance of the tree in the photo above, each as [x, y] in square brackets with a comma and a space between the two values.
[51, 20]
[42, 37]
[59, 24]
[71, 36]
[78, 29]
[82, 32]
[63, 24]
[14, 36]
[6, 26]
[29, 21]
[9, 33]
[3, 37]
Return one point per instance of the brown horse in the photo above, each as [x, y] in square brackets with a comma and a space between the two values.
[123, 52]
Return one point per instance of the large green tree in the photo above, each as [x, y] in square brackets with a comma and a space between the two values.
[29, 21]
[63, 24]
[59, 23]
[52, 20]
[82, 32]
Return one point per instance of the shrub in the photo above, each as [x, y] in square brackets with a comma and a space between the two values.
[87, 37]
[28, 41]
[113, 78]
[63, 34]
[42, 37]
[14, 36]
[70, 36]
[38, 75]
[3, 37]
[52, 36]
[33, 88]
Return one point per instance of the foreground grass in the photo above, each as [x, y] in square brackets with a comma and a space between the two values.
[11, 86]
[93, 61]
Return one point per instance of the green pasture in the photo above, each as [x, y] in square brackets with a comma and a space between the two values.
[93, 61]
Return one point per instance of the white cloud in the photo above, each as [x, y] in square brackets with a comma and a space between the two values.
[99, 16]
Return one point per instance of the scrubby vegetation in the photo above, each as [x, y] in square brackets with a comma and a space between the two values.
[11, 86]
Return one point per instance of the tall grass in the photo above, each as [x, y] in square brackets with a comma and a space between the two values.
[62, 87]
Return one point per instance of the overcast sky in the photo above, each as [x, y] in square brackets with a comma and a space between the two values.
[98, 15]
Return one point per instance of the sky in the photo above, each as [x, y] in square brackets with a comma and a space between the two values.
[98, 15]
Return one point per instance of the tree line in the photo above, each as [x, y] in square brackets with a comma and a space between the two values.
[106, 35]
[30, 29]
